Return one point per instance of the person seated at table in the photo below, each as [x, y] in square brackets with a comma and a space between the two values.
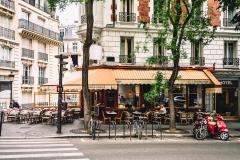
[162, 110]
[129, 108]
[143, 108]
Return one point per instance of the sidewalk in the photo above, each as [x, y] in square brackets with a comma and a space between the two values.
[13, 130]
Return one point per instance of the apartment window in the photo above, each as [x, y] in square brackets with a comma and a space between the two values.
[227, 17]
[229, 53]
[41, 72]
[158, 50]
[61, 32]
[126, 50]
[127, 11]
[5, 53]
[5, 22]
[196, 54]
[25, 15]
[26, 71]
[75, 47]
[42, 47]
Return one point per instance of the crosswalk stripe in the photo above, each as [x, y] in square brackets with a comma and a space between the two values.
[38, 142]
[29, 140]
[36, 145]
[43, 155]
[37, 150]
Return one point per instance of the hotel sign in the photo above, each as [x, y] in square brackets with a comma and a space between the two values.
[226, 82]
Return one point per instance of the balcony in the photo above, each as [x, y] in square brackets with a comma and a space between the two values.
[27, 53]
[197, 61]
[27, 80]
[42, 80]
[8, 4]
[126, 59]
[83, 19]
[155, 19]
[34, 31]
[6, 63]
[42, 56]
[127, 17]
[231, 62]
[37, 5]
[7, 33]
[227, 22]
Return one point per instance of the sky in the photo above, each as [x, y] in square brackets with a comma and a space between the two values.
[69, 14]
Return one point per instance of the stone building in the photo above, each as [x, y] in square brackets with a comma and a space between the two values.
[117, 31]
[29, 37]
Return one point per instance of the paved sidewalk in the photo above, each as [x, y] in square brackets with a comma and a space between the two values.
[14, 130]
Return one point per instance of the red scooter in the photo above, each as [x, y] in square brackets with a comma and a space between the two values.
[217, 128]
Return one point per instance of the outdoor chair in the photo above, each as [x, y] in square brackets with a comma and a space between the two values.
[190, 117]
[105, 119]
[35, 116]
[183, 117]
[24, 115]
[13, 115]
[119, 117]
[127, 118]
[47, 117]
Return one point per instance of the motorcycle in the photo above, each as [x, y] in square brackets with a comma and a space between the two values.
[200, 131]
[206, 126]
[218, 128]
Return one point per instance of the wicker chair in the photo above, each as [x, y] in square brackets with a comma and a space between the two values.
[119, 117]
[105, 119]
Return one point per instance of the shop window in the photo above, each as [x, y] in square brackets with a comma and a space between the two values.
[110, 98]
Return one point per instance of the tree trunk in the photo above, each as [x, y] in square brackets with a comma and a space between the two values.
[85, 65]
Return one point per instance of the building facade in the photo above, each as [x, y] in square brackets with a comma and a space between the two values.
[33, 39]
[117, 32]
[71, 45]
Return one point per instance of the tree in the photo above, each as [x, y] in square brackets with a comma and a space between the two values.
[181, 21]
[86, 47]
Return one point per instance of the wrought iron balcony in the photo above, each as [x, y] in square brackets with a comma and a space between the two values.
[27, 80]
[227, 22]
[8, 4]
[83, 19]
[7, 33]
[197, 61]
[127, 17]
[5, 63]
[231, 62]
[23, 23]
[42, 56]
[27, 53]
[42, 80]
[126, 59]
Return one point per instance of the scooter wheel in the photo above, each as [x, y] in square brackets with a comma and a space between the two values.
[201, 134]
[224, 136]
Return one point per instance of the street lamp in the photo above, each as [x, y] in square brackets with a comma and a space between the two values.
[11, 79]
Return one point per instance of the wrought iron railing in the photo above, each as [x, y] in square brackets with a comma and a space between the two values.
[127, 17]
[23, 23]
[227, 22]
[197, 61]
[7, 33]
[5, 63]
[83, 19]
[231, 61]
[126, 59]
[27, 53]
[8, 4]
[28, 80]
[42, 80]
[42, 56]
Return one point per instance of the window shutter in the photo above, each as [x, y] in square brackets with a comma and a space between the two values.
[214, 13]
[144, 10]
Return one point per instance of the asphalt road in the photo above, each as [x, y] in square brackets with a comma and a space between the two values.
[167, 149]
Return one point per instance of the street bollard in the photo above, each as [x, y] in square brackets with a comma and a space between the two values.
[130, 126]
[152, 129]
[115, 125]
[146, 131]
[1, 121]
[124, 130]
[109, 130]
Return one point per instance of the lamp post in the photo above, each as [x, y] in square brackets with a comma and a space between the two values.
[11, 78]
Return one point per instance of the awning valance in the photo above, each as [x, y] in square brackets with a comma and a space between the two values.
[109, 78]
